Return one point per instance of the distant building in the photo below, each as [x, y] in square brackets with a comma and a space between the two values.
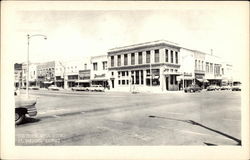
[99, 70]
[18, 75]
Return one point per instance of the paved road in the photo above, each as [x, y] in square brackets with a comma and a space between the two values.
[90, 118]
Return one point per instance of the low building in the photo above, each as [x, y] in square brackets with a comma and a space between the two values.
[99, 70]
[145, 67]
[18, 75]
[46, 74]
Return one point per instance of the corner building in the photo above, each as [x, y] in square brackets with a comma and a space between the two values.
[151, 66]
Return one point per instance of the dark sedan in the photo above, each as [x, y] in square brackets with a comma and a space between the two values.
[192, 88]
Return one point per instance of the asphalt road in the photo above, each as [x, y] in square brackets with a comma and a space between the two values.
[175, 118]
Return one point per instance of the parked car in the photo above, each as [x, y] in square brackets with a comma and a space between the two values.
[212, 88]
[34, 88]
[236, 87]
[192, 88]
[225, 88]
[96, 88]
[54, 88]
[80, 88]
[24, 106]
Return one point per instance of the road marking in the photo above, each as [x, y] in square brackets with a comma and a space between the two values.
[56, 116]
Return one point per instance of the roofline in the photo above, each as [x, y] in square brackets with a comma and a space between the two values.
[129, 47]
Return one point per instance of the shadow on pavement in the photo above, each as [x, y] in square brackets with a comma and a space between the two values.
[198, 124]
[30, 120]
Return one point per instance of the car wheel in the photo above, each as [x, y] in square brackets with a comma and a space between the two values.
[19, 117]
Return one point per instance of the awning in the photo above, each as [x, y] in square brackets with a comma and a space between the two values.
[99, 79]
[48, 82]
[84, 81]
[202, 80]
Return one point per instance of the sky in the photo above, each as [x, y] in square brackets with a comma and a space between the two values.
[74, 33]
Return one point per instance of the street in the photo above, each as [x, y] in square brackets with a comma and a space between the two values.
[117, 118]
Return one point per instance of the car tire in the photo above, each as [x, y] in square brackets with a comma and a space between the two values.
[19, 117]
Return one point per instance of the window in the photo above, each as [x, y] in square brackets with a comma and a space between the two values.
[211, 67]
[166, 55]
[176, 57]
[222, 71]
[119, 82]
[123, 73]
[207, 67]
[136, 77]
[140, 58]
[125, 59]
[172, 57]
[112, 73]
[195, 64]
[112, 61]
[127, 82]
[171, 79]
[132, 58]
[85, 66]
[141, 76]
[202, 65]
[119, 60]
[132, 76]
[104, 65]
[199, 64]
[95, 66]
[147, 56]
[157, 58]
[123, 82]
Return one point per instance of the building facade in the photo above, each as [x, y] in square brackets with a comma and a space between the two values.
[143, 67]
[18, 75]
[99, 71]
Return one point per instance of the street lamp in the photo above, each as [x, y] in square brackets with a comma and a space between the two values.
[27, 75]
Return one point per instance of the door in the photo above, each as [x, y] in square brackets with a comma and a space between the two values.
[113, 84]
[167, 83]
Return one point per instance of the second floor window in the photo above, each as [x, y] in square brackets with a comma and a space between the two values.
[140, 58]
[157, 58]
[195, 64]
[176, 57]
[119, 60]
[95, 66]
[112, 61]
[166, 55]
[85, 66]
[172, 57]
[104, 65]
[147, 56]
[132, 58]
[125, 59]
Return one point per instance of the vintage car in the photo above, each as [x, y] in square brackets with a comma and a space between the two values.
[236, 87]
[54, 88]
[212, 88]
[225, 88]
[24, 105]
[78, 88]
[192, 88]
[99, 88]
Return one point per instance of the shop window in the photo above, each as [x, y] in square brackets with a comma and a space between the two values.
[147, 56]
[136, 77]
[142, 78]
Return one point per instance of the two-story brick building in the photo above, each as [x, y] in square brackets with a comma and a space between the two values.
[145, 67]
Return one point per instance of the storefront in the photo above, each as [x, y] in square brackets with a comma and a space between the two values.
[100, 79]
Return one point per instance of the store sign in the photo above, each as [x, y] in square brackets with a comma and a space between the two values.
[84, 74]
[188, 74]
[99, 75]
[199, 76]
